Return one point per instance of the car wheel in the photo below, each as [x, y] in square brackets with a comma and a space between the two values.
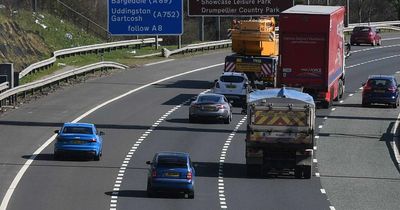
[379, 42]
[96, 157]
[373, 42]
[149, 191]
[228, 119]
[192, 119]
[298, 172]
[191, 194]
[364, 104]
[56, 156]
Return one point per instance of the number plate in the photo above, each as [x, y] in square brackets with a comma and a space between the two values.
[172, 174]
[379, 91]
[231, 86]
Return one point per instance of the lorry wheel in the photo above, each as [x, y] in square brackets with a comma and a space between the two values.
[341, 89]
[253, 170]
[307, 171]
[298, 172]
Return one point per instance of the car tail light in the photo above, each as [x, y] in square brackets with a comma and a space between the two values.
[367, 88]
[92, 140]
[392, 89]
[217, 85]
[153, 173]
[189, 175]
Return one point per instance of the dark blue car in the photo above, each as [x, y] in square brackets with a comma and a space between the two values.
[78, 138]
[171, 172]
[381, 89]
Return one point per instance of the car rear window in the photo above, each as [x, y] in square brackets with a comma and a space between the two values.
[172, 162]
[79, 130]
[233, 79]
[380, 83]
[362, 29]
[214, 99]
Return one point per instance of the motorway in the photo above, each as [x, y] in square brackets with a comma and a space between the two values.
[355, 164]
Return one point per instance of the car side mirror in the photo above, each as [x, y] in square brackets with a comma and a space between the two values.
[101, 133]
[148, 162]
[57, 131]
[363, 84]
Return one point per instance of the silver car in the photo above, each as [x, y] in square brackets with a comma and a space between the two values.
[210, 105]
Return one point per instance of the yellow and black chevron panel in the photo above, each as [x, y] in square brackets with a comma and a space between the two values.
[280, 118]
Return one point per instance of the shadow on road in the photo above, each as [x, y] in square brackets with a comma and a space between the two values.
[389, 138]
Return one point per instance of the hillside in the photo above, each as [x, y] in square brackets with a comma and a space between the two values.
[27, 37]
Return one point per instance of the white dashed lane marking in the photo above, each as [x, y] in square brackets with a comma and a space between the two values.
[221, 186]
[128, 157]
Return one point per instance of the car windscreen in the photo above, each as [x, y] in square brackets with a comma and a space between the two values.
[380, 83]
[210, 99]
[233, 79]
[362, 29]
[171, 162]
[77, 130]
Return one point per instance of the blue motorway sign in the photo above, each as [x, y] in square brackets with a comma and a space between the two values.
[145, 17]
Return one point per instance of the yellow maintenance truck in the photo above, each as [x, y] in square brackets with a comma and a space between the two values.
[280, 132]
[255, 47]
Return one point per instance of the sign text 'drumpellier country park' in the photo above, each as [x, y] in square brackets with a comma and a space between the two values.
[237, 7]
[145, 17]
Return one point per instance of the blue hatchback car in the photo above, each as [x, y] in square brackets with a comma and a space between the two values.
[78, 138]
[381, 89]
[171, 172]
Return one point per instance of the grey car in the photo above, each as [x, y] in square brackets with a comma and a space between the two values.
[210, 106]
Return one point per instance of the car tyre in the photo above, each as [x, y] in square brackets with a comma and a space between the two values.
[373, 42]
[228, 119]
[149, 191]
[364, 104]
[379, 42]
[96, 157]
[191, 194]
[192, 119]
[56, 156]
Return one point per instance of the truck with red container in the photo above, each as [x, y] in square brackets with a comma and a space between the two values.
[311, 51]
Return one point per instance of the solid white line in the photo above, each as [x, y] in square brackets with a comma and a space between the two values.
[395, 141]
[21, 172]
[159, 62]
[371, 61]
[376, 48]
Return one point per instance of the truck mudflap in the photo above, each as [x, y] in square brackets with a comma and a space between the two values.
[259, 160]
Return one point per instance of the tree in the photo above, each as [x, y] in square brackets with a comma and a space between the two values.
[396, 5]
